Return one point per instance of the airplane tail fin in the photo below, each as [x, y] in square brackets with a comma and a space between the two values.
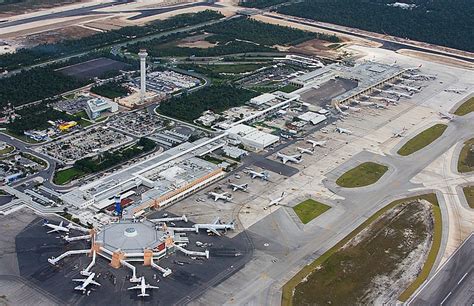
[143, 294]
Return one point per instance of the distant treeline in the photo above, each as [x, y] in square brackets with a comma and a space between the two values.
[260, 3]
[41, 53]
[442, 22]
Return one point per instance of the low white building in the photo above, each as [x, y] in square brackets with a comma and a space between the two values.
[252, 137]
[263, 99]
[314, 118]
[97, 106]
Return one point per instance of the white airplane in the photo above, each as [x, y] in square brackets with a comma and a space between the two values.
[236, 187]
[143, 287]
[262, 175]
[286, 136]
[56, 228]
[275, 201]
[85, 282]
[455, 90]
[343, 131]
[220, 196]
[315, 143]
[400, 133]
[381, 106]
[446, 116]
[215, 226]
[290, 158]
[304, 150]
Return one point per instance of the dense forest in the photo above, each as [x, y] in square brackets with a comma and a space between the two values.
[41, 53]
[110, 90]
[36, 118]
[259, 32]
[111, 159]
[215, 98]
[35, 84]
[260, 3]
[442, 22]
[241, 35]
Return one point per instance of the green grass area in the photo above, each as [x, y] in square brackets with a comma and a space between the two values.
[363, 175]
[110, 90]
[63, 177]
[422, 140]
[7, 150]
[310, 209]
[466, 108]
[288, 88]
[302, 276]
[469, 193]
[466, 157]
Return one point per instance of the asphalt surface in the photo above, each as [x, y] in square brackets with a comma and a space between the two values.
[188, 281]
[453, 284]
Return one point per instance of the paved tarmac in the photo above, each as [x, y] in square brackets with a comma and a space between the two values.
[453, 284]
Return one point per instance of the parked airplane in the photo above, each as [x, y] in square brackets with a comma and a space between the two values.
[343, 131]
[400, 133]
[215, 226]
[315, 143]
[142, 287]
[290, 158]
[56, 228]
[304, 150]
[85, 282]
[455, 90]
[262, 175]
[446, 116]
[221, 196]
[275, 201]
[236, 187]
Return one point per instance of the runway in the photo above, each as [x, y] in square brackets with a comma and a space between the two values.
[453, 284]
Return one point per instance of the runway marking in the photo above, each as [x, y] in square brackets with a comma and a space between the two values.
[444, 300]
[463, 277]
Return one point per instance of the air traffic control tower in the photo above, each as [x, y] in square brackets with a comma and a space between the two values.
[142, 54]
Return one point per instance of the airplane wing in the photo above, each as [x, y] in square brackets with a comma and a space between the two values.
[135, 287]
[234, 188]
[213, 230]
[79, 279]
[93, 282]
[151, 287]
[52, 231]
[216, 220]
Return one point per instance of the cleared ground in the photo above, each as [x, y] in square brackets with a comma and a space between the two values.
[469, 193]
[363, 175]
[401, 240]
[466, 108]
[422, 140]
[93, 68]
[310, 209]
[466, 157]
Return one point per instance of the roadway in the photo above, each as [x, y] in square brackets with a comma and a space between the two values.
[453, 283]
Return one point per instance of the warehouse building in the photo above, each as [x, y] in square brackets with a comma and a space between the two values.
[252, 137]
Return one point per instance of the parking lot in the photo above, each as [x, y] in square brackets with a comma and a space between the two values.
[84, 144]
[137, 124]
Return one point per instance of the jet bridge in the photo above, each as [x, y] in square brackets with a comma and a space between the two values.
[54, 260]
[192, 253]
